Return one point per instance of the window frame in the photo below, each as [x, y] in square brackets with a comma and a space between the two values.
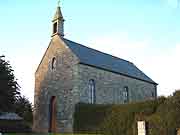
[92, 91]
[53, 63]
[126, 94]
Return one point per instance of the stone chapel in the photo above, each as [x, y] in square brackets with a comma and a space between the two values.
[70, 73]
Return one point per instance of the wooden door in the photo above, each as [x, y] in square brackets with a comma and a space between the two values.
[52, 120]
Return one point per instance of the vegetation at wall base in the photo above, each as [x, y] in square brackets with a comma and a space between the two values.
[24, 109]
[161, 115]
[88, 117]
[15, 126]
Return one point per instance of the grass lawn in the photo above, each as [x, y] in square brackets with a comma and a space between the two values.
[40, 134]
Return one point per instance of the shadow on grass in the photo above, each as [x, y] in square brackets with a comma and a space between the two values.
[43, 134]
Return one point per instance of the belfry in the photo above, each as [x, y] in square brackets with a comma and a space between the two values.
[58, 23]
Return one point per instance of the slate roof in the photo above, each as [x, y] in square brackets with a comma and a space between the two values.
[9, 116]
[105, 61]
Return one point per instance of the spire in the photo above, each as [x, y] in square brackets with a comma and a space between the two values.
[58, 22]
[58, 14]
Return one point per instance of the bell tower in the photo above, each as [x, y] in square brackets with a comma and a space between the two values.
[58, 22]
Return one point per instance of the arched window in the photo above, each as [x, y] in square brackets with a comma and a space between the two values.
[55, 28]
[126, 94]
[92, 93]
[53, 64]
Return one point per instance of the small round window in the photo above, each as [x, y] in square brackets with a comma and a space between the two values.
[53, 64]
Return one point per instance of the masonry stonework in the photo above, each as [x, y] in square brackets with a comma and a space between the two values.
[59, 83]
[68, 82]
[109, 86]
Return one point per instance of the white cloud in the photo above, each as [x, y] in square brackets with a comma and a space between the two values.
[119, 44]
[24, 68]
[24, 62]
[161, 65]
[172, 3]
[165, 69]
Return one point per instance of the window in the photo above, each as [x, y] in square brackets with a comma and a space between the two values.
[91, 91]
[126, 95]
[152, 94]
[55, 28]
[53, 64]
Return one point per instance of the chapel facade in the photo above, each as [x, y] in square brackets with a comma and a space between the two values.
[70, 73]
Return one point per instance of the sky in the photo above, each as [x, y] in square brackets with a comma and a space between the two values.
[143, 32]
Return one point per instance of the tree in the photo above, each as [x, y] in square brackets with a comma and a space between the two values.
[10, 97]
[24, 109]
[9, 88]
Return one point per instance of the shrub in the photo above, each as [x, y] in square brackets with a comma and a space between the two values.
[109, 119]
[161, 115]
[13, 126]
[88, 117]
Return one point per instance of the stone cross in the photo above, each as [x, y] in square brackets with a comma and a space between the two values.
[59, 2]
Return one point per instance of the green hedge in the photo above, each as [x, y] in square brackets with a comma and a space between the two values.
[162, 116]
[109, 118]
[88, 117]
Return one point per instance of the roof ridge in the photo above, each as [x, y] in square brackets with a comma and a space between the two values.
[93, 57]
[99, 51]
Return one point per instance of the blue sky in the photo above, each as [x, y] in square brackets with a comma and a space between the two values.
[143, 32]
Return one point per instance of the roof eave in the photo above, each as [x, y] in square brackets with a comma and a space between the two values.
[152, 82]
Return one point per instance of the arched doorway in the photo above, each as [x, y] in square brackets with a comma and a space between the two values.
[52, 112]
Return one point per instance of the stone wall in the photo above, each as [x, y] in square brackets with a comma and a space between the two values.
[56, 82]
[109, 86]
[68, 82]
